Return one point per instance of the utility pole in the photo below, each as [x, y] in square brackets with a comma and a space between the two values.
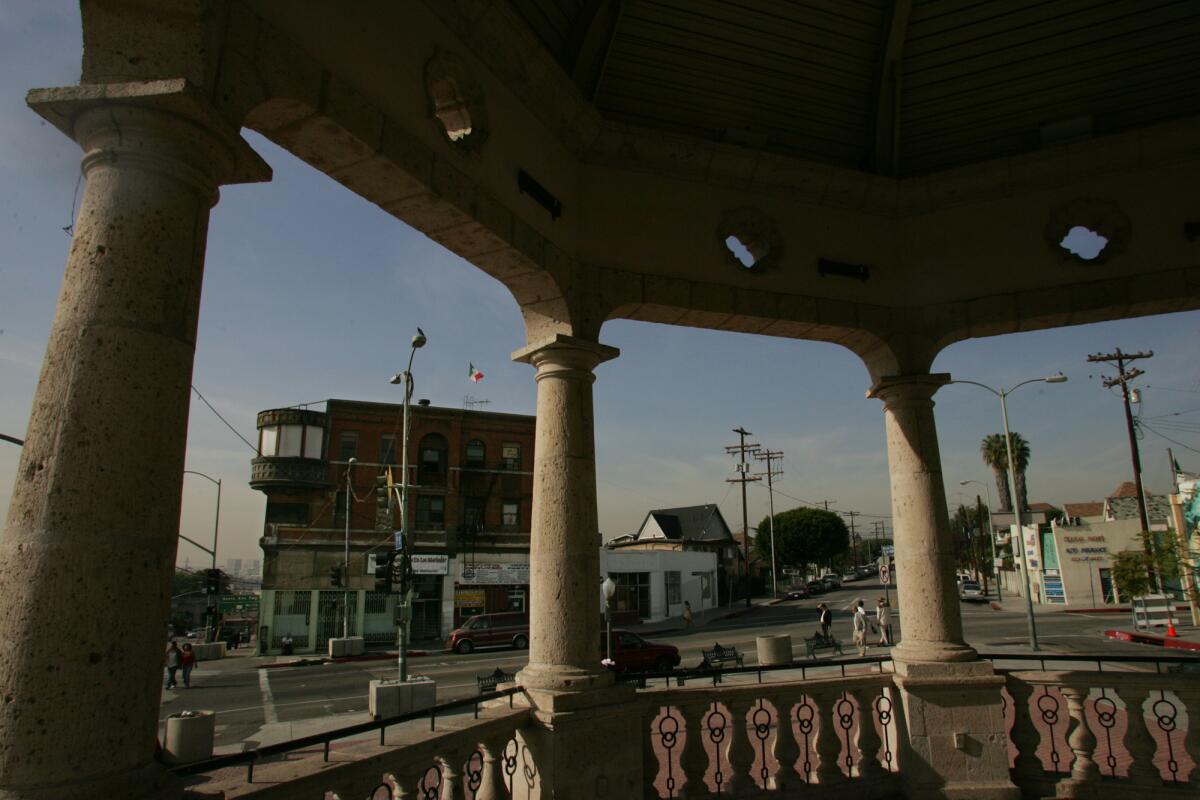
[1122, 379]
[853, 534]
[743, 478]
[771, 456]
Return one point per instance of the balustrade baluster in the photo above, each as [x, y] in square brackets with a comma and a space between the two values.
[694, 759]
[786, 750]
[868, 741]
[1190, 696]
[1082, 741]
[829, 741]
[664, 730]
[740, 754]
[1138, 739]
[419, 782]
[491, 777]
[1025, 737]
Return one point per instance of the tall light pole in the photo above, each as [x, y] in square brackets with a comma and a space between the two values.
[991, 535]
[1012, 487]
[405, 601]
[216, 530]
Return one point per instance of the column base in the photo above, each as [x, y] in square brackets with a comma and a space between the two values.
[570, 728]
[152, 781]
[914, 655]
[555, 678]
[957, 742]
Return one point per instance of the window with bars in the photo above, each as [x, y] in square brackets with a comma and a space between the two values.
[476, 455]
[510, 515]
[510, 456]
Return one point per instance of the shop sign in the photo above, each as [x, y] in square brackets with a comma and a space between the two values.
[481, 573]
[431, 564]
[468, 598]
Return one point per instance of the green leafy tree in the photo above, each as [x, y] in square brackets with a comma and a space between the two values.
[804, 536]
[995, 455]
[1133, 571]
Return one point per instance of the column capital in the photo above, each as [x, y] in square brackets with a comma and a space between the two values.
[175, 110]
[570, 352]
[918, 386]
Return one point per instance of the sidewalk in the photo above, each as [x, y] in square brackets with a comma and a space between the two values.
[1187, 638]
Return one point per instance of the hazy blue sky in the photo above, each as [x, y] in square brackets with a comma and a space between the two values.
[311, 293]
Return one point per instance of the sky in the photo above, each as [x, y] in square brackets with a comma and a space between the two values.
[311, 292]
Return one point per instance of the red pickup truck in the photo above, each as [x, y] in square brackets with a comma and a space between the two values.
[632, 653]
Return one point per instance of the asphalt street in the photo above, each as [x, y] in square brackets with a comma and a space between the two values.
[256, 706]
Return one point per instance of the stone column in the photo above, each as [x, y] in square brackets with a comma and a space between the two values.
[88, 552]
[564, 548]
[956, 743]
[926, 592]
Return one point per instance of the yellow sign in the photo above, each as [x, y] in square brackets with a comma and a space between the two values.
[468, 598]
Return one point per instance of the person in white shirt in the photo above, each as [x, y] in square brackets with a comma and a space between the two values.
[860, 628]
[883, 619]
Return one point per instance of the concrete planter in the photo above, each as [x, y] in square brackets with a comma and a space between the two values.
[340, 647]
[209, 651]
[774, 649]
[189, 738]
[392, 698]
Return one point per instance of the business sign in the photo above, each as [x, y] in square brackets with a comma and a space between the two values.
[487, 573]
[431, 564]
[1053, 587]
[888, 549]
[468, 598]
[238, 603]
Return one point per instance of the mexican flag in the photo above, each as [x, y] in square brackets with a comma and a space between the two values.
[474, 374]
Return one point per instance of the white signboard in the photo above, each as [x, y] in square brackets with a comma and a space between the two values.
[484, 573]
[888, 550]
[431, 564]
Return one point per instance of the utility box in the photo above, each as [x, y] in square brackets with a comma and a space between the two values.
[391, 698]
[189, 737]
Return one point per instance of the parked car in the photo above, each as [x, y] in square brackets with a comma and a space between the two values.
[506, 629]
[798, 592]
[847, 577]
[831, 580]
[817, 587]
[632, 653]
[866, 571]
[970, 590]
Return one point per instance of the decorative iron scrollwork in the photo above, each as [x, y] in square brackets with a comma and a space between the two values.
[1048, 707]
[668, 735]
[1165, 715]
[1106, 715]
[806, 715]
[883, 710]
[762, 731]
[715, 724]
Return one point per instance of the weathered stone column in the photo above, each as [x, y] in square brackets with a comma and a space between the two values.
[564, 548]
[955, 742]
[88, 551]
[928, 599]
[575, 702]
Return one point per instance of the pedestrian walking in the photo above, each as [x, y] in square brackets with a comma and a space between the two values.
[826, 619]
[860, 628]
[883, 619]
[188, 663]
[687, 615]
[174, 661]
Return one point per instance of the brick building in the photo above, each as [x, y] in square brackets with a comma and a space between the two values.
[470, 478]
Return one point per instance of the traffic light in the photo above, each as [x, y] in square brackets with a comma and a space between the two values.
[335, 576]
[212, 581]
[383, 571]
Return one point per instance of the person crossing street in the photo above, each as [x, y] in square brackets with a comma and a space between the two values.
[860, 628]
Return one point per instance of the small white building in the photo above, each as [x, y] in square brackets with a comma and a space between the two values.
[655, 583]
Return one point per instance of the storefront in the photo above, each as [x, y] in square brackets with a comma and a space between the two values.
[487, 585]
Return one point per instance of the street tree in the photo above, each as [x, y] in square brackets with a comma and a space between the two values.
[804, 536]
[995, 455]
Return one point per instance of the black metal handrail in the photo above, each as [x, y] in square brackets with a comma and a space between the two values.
[715, 674]
[1088, 658]
[250, 757]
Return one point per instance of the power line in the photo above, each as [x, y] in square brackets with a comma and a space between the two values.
[227, 425]
[1122, 379]
[742, 449]
[1168, 438]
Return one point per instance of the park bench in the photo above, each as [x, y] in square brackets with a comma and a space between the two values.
[719, 656]
[488, 683]
[820, 642]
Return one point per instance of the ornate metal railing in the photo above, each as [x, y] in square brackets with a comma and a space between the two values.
[1110, 733]
[737, 740]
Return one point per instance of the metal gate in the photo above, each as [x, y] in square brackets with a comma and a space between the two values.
[329, 616]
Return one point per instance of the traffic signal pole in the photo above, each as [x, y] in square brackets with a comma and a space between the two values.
[346, 555]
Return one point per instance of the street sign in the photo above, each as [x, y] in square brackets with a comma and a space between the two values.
[885, 574]
[888, 549]
[238, 603]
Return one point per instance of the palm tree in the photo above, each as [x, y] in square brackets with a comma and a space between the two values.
[995, 455]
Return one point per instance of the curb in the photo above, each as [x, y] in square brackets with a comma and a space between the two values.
[1158, 641]
[1114, 610]
[310, 662]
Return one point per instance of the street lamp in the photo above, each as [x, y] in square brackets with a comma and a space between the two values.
[216, 530]
[346, 553]
[1012, 487]
[607, 589]
[405, 378]
[991, 535]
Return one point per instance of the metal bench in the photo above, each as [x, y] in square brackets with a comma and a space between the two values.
[719, 656]
[488, 683]
[819, 642]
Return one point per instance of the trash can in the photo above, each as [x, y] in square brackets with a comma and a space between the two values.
[774, 649]
[189, 736]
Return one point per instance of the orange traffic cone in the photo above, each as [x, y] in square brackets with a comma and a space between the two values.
[1171, 634]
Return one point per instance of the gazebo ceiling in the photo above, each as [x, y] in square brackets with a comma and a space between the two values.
[903, 88]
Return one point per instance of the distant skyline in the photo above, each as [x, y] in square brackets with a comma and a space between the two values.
[312, 293]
